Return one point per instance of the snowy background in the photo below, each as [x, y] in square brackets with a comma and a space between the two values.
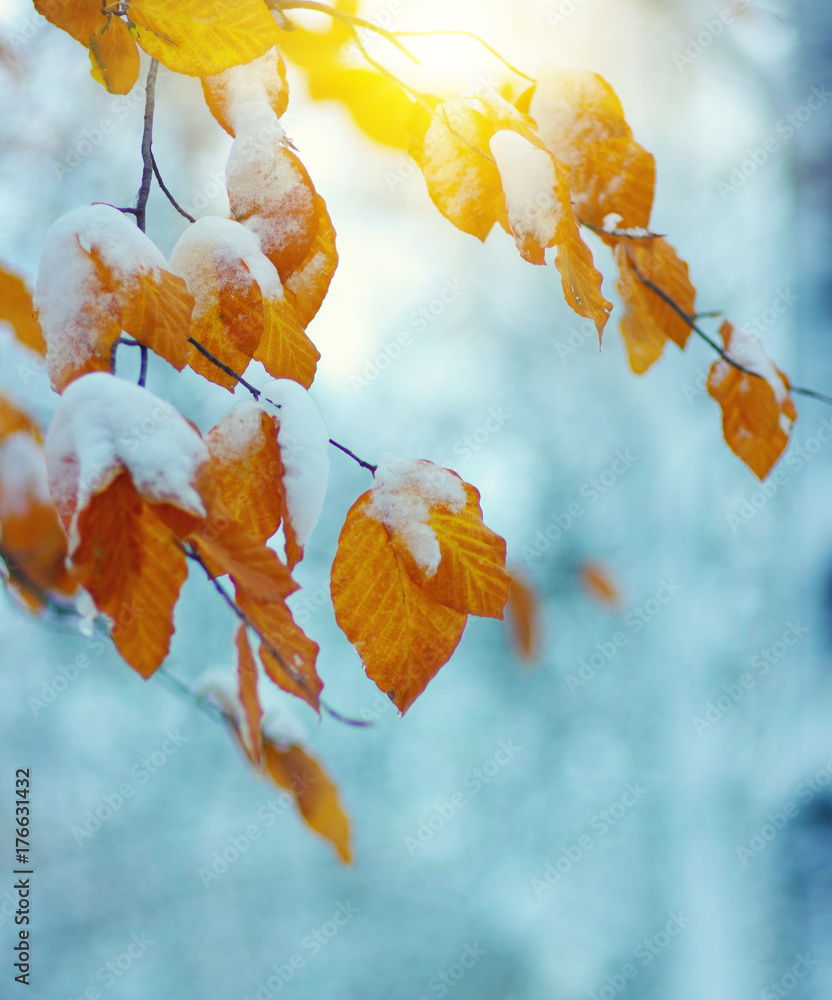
[667, 856]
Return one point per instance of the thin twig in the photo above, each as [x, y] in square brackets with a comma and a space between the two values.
[691, 321]
[469, 34]
[166, 192]
[147, 140]
[258, 394]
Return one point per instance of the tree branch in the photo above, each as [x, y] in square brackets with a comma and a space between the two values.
[167, 193]
[147, 141]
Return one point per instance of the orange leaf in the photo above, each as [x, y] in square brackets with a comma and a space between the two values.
[300, 774]
[128, 562]
[582, 123]
[648, 321]
[284, 350]
[524, 617]
[247, 470]
[598, 581]
[402, 634]
[114, 56]
[270, 190]
[100, 275]
[452, 149]
[471, 576]
[581, 279]
[307, 286]
[113, 53]
[13, 419]
[757, 410]
[262, 82]
[288, 654]
[32, 541]
[17, 309]
[248, 561]
[253, 713]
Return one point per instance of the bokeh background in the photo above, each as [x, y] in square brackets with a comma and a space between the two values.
[705, 847]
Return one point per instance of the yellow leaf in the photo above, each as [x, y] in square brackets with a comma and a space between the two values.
[378, 106]
[17, 309]
[202, 37]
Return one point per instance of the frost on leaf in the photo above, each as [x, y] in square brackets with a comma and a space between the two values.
[757, 409]
[98, 276]
[248, 96]
[582, 123]
[413, 560]
[240, 310]
[648, 321]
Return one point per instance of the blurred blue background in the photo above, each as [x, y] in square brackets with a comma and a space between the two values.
[694, 857]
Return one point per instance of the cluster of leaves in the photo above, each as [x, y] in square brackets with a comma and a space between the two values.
[127, 490]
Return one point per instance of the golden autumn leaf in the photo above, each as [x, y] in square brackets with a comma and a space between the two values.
[113, 53]
[413, 560]
[581, 122]
[523, 616]
[757, 409]
[132, 570]
[98, 276]
[288, 655]
[18, 310]
[121, 462]
[648, 321]
[581, 280]
[257, 87]
[32, 542]
[202, 37]
[13, 419]
[307, 285]
[270, 190]
[284, 349]
[250, 703]
[471, 576]
[597, 580]
[452, 149]
[402, 635]
[292, 768]
[247, 470]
